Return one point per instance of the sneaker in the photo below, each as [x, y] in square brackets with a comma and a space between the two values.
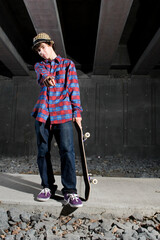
[44, 195]
[73, 200]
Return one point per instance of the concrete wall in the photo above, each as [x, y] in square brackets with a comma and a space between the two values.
[121, 113]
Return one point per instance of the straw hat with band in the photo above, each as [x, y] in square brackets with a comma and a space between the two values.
[41, 37]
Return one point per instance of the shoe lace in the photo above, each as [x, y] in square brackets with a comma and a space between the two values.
[45, 191]
[73, 197]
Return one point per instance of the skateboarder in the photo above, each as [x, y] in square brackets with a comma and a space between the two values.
[57, 106]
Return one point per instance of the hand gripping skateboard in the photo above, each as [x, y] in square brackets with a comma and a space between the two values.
[86, 176]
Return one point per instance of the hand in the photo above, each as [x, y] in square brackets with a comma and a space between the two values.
[78, 120]
[49, 81]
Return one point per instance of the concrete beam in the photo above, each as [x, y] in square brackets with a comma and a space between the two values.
[121, 58]
[45, 18]
[113, 16]
[10, 57]
[150, 56]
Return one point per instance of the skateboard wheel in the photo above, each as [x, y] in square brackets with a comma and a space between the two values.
[87, 135]
[94, 181]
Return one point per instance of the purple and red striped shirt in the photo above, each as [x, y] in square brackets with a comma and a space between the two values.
[61, 102]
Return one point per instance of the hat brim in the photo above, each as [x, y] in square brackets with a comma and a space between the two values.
[41, 41]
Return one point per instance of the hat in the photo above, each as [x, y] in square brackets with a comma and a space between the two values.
[41, 37]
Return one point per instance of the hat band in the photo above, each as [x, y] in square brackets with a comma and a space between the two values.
[42, 40]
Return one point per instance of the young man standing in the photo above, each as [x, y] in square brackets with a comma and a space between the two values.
[57, 106]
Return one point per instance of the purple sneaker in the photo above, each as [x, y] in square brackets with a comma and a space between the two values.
[73, 200]
[44, 195]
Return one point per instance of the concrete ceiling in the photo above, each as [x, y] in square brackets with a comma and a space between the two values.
[99, 35]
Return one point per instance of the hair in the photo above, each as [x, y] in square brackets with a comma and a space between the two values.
[48, 43]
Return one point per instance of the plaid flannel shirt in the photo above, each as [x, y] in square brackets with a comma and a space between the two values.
[61, 102]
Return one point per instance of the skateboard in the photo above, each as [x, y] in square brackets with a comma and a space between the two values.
[86, 176]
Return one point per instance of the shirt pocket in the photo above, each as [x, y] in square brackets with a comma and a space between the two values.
[60, 76]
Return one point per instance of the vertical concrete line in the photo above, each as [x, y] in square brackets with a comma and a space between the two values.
[125, 112]
[153, 113]
[94, 108]
[148, 112]
[97, 114]
[14, 110]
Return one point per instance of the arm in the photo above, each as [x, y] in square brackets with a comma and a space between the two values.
[73, 87]
[44, 77]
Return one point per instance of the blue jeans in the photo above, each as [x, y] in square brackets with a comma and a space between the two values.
[63, 134]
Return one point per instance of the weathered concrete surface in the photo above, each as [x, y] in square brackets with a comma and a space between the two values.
[117, 196]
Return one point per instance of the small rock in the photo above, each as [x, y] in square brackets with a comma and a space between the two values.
[135, 227]
[19, 236]
[50, 237]
[39, 226]
[109, 236]
[142, 238]
[63, 227]
[2, 232]
[155, 233]
[31, 233]
[52, 216]
[41, 237]
[118, 224]
[137, 216]
[33, 223]
[25, 217]
[106, 224]
[158, 217]
[139, 230]
[11, 223]
[71, 236]
[135, 235]
[48, 225]
[150, 223]
[150, 229]
[127, 237]
[36, 217]
[69, 227]
[9, 237]
[22, 225]
[3, 220]
[94, 225]
[71, 221]
[14, 214]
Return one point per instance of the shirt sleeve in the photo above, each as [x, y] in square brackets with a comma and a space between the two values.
[41, 72]
[74, 92]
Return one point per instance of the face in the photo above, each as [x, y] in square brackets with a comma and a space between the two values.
[45, 51]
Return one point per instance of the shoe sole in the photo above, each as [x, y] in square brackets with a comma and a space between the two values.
[42, 200]
[77, 206]
[73, 206]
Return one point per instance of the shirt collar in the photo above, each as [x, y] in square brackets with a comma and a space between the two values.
[56, 60]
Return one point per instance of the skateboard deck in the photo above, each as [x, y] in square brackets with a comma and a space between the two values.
[81, 139]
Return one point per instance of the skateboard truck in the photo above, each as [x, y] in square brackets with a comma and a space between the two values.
[92, 180]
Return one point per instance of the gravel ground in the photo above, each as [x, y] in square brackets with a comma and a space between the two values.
[17, 225]
[109, 166]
